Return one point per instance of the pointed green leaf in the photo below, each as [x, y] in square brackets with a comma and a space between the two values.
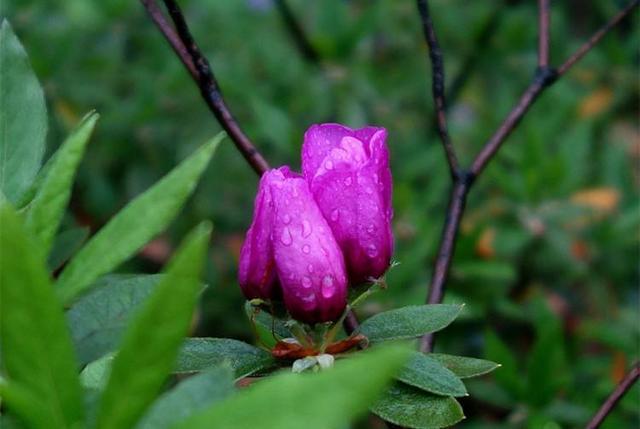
[136, 224]
[189, 397]
[95, 375]
[409, 407]
[465, 367]
[23, 117]
[151, 342]
[98, 319]
[36, 347]
[44, 213]
[430, 375]
[325, 400]
[198, 354]
[409, 322]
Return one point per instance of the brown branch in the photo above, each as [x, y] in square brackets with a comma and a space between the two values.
[297, 33]
[544, 15]
[617, 394]
[187, 50]
[544, 77]
[437, 79]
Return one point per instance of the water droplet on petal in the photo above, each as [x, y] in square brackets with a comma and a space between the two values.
[306, 282]
[306, 249]
[310, 268]
[309, 302]
[306, 228]
[328, 165]
[376, 177]
[371, 228]
[335, 214]
[328, 287]
[368, 190]
[348, 181]
[285, 238]
[286, 219]
[372, 250]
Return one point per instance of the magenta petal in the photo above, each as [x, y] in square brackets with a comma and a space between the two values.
[309, 262]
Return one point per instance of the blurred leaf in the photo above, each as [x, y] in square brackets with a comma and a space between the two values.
[44, 213]
[36, 346]
[23, 117]
[507, 375]
[98, 319]
[325, 400]
[189, 397]
[25, 405]
[431, 376]
[151, 342]
[65, 245]
[409, 322]
[465, 367]
[595, 103]
[409, 407]
[198, 354]
[95, 374]
[134, 225]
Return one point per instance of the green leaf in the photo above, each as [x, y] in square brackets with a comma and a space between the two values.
[95, 375]
[325, 400]
[465, 367]
[508, 375]
[44, 213]
[65, 245]
[98, 319]
[24, 405]
[141, 220]
[36, 347]
[151, 342]
[409, 322]
[23, 117]
[198, 354]
[190, 396]
[430, 375]
[409, 407]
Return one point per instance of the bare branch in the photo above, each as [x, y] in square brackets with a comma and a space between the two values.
[297, 33]
[438, 79]
[617, 394]
[187, 50]
[544, 15]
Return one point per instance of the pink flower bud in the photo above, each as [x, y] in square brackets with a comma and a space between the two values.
[290, 247]
[349, 176]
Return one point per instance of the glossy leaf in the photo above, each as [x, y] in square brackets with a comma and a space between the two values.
[37, 351]
[44, 213]
[198, 354]
[151, 342]
[409, 407]
[465, 367]
[98, 319]
[325, 400]
[190, 396]
[134, 225]
[430, 375]
[409, 322]
[23, 117]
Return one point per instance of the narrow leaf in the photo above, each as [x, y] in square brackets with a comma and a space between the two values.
[44, 213]
[135, 225]
[465, 367]
[198, 354]
[23, 117]
[409, 407]
[508, 376]
[189, 397]
[326, 400]
[65, 245]
[98, 319]
[409, 322]
[431, 376]
[151, 342]
[36, 347]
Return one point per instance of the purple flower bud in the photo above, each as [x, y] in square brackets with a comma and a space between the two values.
[290, 235]
[349, 176]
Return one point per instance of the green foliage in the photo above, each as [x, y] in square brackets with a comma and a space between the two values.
[431, 376]
[325, 400]
[152, 340]
[135, 225]
[23, 117]
[199, 354]
[465, 367]
[44, 213]
[36, 346]
[409, 322]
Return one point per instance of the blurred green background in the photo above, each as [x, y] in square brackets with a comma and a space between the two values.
[547, 259]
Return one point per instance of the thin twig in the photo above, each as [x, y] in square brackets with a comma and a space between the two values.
[297, 33]
[544, 15]
[187, 50]
[544, 77]
[437, 76]
[617, 394]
